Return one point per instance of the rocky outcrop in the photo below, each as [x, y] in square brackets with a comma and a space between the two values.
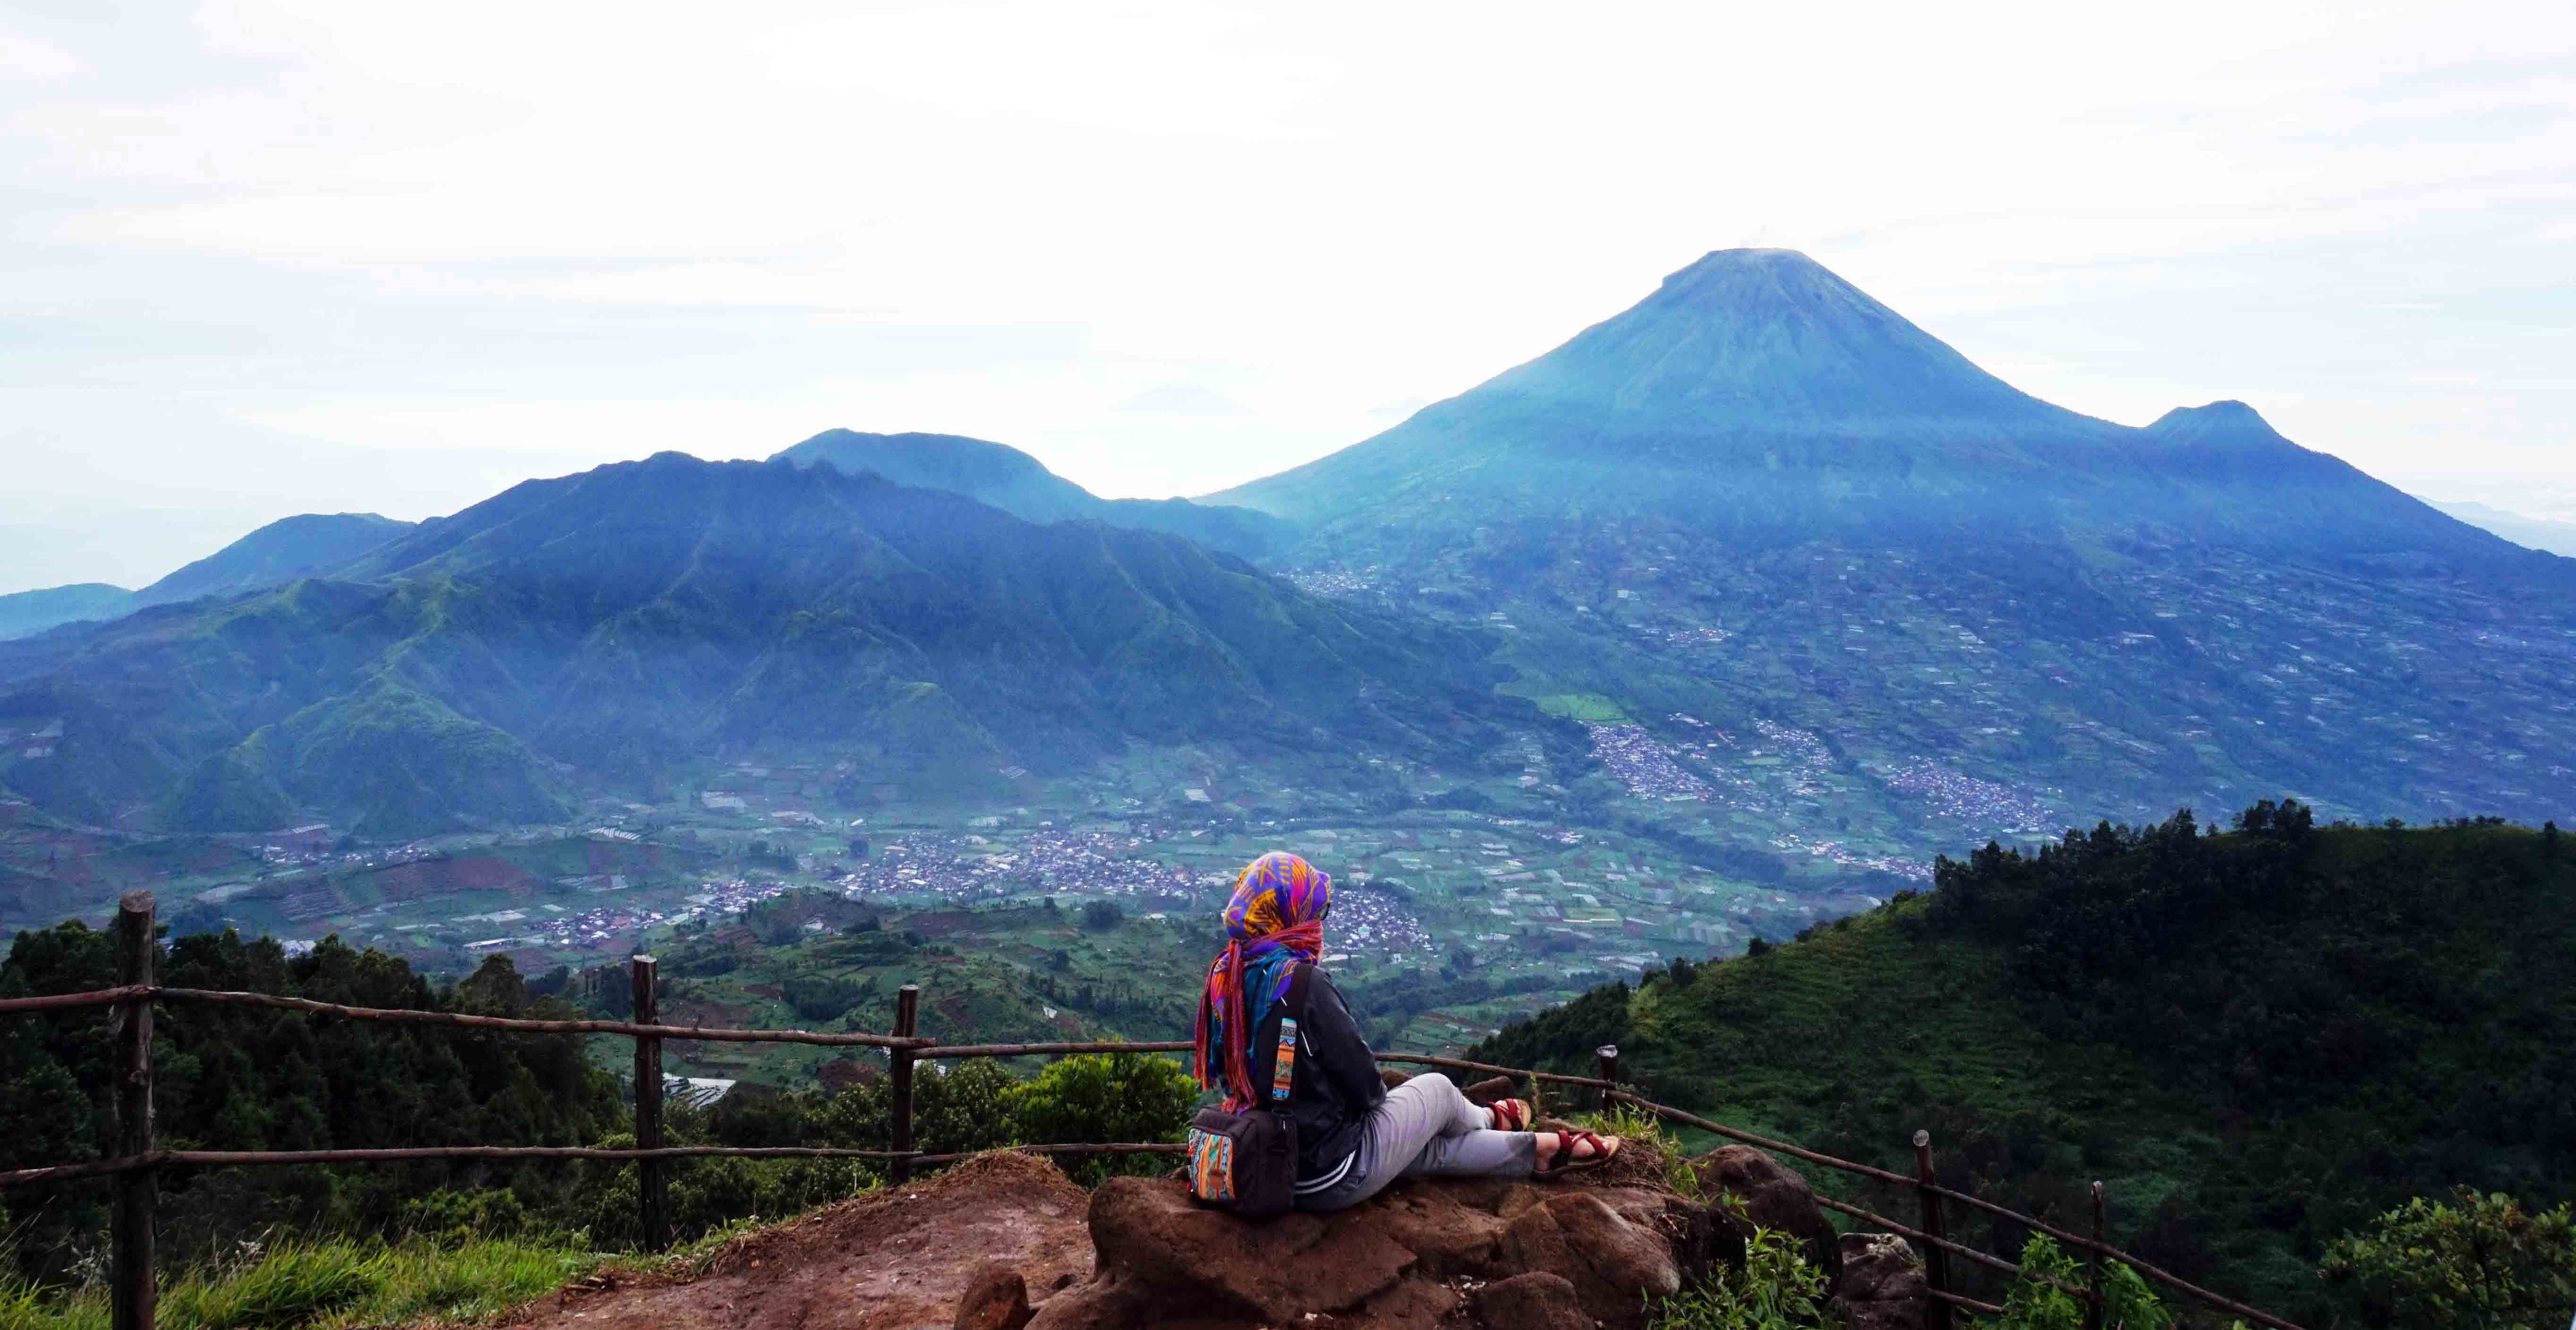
[1534, 1301]
[1881, 1286]
[997, 1298]
[1774, 1196]
[1426, 1253]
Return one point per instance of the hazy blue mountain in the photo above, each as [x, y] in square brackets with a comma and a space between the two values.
[28, 612]
[599, 630]
[1759, 495]
[2537, 533]
[279, 552]
[1757, 394]
[1021, 485]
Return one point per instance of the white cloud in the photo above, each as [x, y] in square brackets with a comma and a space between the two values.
[24, 59]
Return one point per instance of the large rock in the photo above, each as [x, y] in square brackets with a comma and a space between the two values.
[1774, 1196]
[1413, 1258]
[997, 1298]
[1534, 1301]
[1881, 1286]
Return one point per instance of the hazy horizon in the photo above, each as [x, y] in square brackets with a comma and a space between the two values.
[270, 258]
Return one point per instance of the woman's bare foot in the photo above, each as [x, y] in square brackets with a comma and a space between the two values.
[1581, 1150]
[1510, 1114]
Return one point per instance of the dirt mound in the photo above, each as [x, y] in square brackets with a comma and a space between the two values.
[891, 1260]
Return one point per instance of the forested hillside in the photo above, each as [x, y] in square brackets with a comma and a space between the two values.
[256, 1078]
[2258, 1039]
[597, 631]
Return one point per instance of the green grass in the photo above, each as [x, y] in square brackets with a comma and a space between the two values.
[327, 1284]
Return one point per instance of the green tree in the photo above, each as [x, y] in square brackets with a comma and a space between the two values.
[1106, 1097]
[2480, 1263]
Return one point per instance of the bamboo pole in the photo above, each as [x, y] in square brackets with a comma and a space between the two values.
[135, 1296]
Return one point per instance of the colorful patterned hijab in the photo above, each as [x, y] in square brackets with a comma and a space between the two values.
[1275, 917]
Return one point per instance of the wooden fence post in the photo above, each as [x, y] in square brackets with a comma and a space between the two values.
[2093, 1262]
[907, 1013]
[1606, 1059]
[652, 1177]
[134, 1302]
[1936, 1261]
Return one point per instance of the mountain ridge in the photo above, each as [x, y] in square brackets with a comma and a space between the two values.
[1021, 485]
[278, 552]
[621, 622]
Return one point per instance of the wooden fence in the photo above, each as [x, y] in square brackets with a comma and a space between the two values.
[137, 1161]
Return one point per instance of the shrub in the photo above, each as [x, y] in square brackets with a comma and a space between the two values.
[2483, 1263]
[2037, 1305]
[1775, 1289]
[1106, 1097]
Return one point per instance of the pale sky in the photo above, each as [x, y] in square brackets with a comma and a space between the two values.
[261, 258]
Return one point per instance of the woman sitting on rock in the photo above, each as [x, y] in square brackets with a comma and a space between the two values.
[1354, 1136]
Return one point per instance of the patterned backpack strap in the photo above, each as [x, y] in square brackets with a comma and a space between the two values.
[1283, 1067]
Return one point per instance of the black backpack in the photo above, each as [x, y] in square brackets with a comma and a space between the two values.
[1246, 1162]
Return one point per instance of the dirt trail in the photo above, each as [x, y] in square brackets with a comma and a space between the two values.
[891, 1260]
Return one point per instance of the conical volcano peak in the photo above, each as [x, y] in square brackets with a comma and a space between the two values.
[1727, 271]
[1759, 339]
[2228, 421]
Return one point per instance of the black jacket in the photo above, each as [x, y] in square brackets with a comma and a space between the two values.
[1334, 1084]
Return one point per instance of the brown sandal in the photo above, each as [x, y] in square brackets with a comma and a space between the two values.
[1511, 1114]
[1567, 1161]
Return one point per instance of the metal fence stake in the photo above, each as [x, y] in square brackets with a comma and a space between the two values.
[1936, 1261]
[652, 1176]
[134, 1302]
[907, 1013]
[1607, 1060]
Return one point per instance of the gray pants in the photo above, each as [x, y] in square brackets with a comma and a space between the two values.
[1426, 1126]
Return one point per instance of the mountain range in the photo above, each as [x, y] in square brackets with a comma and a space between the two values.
[2537, 533]
[274, 554]
[1758, 503]
[623, 622]
[1759, 495]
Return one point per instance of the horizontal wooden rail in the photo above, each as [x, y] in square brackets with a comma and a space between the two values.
[631, 1030]
[105, 997]
[1461, 1064]
[1986, 1259]
[1121, 1148]
[1049, 1050]
[1183, 1046]
[1782, 1147]
[2151, 1271]
[257, 1158]
[2148, 1269]
[1963, 1300]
